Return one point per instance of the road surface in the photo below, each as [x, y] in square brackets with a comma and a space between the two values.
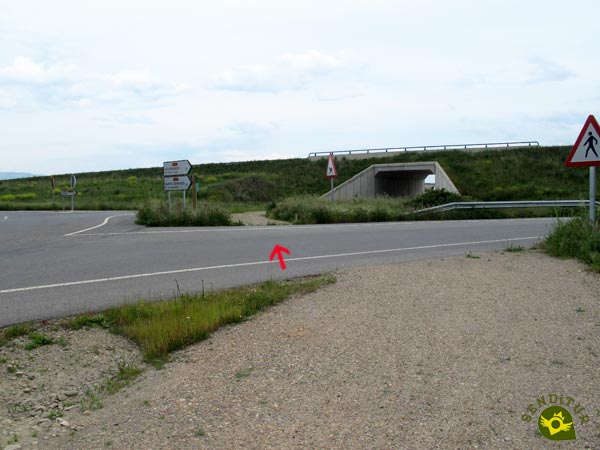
[54, 264]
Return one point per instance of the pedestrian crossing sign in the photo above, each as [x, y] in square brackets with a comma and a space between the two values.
[331, 170]
[586, 151]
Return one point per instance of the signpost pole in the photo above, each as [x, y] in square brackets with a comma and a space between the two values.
[184, 200]
[592, 195]
[169, 200]
[72, 201]
[332, 196]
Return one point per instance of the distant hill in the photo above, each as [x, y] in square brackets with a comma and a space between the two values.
[13, 175]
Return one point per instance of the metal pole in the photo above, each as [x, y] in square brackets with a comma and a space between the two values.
[72, 201]
[592, 195]
[332, 196]
[184, 200]
[169, 200]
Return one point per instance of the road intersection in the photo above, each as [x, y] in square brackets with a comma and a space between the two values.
[55, 264]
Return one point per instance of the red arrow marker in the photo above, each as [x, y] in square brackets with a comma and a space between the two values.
[279, 250]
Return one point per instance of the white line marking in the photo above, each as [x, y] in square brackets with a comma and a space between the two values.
[97, 226]
[256, 263]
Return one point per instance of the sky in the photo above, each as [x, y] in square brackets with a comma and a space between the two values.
[101, 85]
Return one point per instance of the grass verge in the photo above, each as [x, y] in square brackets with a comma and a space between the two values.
[575, 238]
[160, 216]
[162, 327]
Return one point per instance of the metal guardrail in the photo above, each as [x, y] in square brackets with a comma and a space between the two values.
[490, 145]
[512, 204]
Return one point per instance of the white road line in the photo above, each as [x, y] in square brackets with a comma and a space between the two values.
[97, 226]
[256, 263]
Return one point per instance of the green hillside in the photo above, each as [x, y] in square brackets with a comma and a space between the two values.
[511, 174]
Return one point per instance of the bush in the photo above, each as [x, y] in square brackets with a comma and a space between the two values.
[161, 217]
[310, 210]
[575, 238]
[434, 197]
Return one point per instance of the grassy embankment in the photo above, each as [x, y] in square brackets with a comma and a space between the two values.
[511, 174]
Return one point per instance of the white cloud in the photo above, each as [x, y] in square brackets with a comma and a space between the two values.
[25, 70]
[316, 62]
[291, 71]
[547, 71]
[131, 78]
[61, 85]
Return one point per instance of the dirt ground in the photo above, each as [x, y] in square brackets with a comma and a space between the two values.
[453, 353]
[253, 218]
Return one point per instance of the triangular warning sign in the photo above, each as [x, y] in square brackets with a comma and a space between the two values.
[586, 151]
[331, 170]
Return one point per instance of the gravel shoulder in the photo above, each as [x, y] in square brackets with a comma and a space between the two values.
[443, 353]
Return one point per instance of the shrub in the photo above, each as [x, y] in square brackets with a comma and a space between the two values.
[308, 210]
[161, 217]
[575, 238]
[434, 197]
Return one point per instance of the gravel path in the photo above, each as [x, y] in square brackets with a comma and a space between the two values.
[256, 218]
[444, 353]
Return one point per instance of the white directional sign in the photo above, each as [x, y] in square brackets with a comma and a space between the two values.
[177, 183]
[586, 151]
[331, 170]
[174, 168]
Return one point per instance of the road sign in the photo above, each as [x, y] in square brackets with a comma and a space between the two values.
[331, 170]
[73, 181]
[586, 151]
[177, 183]
[174, 168]
[68, 193]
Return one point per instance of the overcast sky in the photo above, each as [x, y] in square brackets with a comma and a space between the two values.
[96, 85]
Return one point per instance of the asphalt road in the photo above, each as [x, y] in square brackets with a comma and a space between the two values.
[54, 264]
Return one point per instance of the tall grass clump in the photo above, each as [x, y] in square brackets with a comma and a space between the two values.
[311, 210]
[162, 327]
[160, 216]
[575, 238]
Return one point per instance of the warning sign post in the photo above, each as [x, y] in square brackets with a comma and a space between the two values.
[331, 173]
[586, 153]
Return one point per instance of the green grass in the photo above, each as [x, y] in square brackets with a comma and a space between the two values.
[514, 249]
[37, 340]
[243, 373]
[162, 327]
[311, 210]
[575, 238]
[84, 320]
[158, 215]
[125, 375]
[8, 334]
[510, 174]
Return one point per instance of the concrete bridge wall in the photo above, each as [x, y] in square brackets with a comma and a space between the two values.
[394, 180]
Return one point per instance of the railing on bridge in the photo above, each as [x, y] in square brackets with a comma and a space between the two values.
[490, 145]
